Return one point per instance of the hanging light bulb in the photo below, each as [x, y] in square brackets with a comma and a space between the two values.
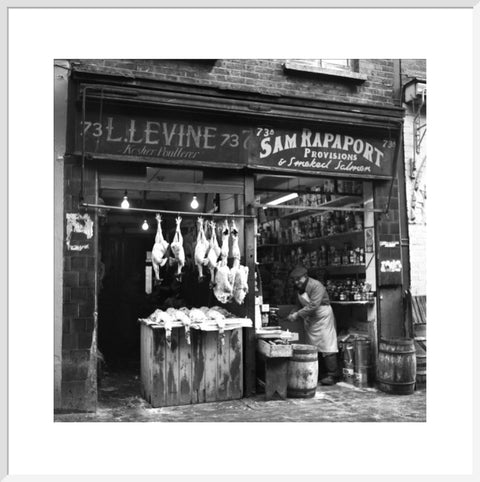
[194, 203]
[125, 204]
[145, 225]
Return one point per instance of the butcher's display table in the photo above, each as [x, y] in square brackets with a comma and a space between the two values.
[208, 369]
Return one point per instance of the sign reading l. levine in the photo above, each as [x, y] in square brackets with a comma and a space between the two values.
[143, 137]
[319, 151]
[165, 139]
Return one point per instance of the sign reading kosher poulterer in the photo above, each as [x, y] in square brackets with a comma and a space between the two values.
[157, 140]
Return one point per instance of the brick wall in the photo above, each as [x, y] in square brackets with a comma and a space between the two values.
[416, 184]
[79, 330]
[265, 76]
[414, 68]
[418, 259]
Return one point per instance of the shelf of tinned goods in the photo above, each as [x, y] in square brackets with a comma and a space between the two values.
[313, 240]
[342, 201]
[362, 302]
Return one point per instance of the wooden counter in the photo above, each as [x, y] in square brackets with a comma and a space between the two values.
[208, 369]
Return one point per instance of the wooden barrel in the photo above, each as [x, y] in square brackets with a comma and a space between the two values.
[421, 355]
[396, 366]
[302, 376]
[363, 363]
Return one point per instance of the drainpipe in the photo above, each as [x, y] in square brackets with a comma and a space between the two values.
[403, 214]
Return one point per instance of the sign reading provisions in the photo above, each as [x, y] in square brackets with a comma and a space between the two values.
[323, 151]
[161, 139]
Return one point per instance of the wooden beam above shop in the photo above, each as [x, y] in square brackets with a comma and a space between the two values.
[182, 187]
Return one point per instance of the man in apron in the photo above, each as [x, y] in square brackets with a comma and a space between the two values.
[318, 320]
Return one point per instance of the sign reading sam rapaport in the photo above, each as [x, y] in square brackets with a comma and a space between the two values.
[160, 138]
[324, 151]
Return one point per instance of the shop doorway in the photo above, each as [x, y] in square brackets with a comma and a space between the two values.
[128, 289]
[327, 226]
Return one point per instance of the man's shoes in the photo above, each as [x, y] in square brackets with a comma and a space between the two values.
[329, 380]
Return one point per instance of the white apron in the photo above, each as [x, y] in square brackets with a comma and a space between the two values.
[320, 327]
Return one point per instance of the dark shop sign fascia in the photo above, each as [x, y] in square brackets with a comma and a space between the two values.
[306, 149]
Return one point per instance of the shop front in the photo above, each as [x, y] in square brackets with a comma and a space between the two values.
[222, 196]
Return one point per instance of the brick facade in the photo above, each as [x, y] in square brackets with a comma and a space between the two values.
[265, 77]
[79, 330]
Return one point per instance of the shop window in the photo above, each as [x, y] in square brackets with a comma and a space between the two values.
[340, 68]
[318, 232]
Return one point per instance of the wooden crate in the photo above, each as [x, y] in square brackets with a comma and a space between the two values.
[182, 374]
[272, 350]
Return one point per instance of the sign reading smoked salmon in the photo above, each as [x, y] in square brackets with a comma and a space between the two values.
[323, 151]
[157, 139]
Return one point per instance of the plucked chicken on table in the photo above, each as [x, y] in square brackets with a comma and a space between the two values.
[179, 315]
[160, 316]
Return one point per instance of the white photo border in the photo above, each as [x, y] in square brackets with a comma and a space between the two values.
[9, 264]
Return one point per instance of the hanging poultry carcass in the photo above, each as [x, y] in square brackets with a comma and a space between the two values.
[223, 289]
[213, 253]
[238, 273]
[235, 246]
[177, 248]
[201, 249]
[240, 284]
[235, 252]
[159, 249]
[225, 240]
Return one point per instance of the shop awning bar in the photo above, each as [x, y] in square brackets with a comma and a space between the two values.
[316, 208]
[163, 211]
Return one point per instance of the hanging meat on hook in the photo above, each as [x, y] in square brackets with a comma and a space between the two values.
[177, 249]
[223, 289]
[201, 249]
[159, 249]
[235, 251]
[240, 283]
[238, 273]
[213, 253]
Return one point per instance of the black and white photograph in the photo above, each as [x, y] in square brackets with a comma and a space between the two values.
[243, 240]
[226, 257]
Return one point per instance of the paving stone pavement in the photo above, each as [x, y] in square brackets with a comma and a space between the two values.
[119, 401]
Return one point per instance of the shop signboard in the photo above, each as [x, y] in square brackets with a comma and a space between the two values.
[323, 151]
[159, 138]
